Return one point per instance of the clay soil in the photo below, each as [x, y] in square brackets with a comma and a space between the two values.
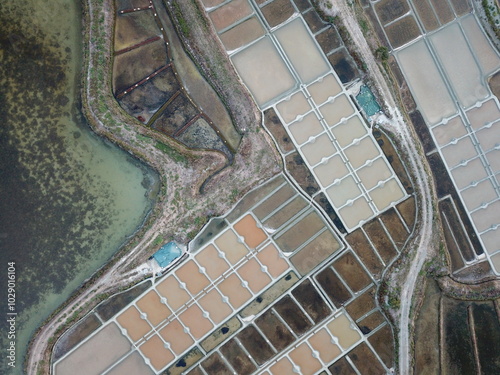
[362, 304]
[394, 159]
[329, 40]
[443, 10]
[407, 210]
[298, 170]
[372, 321]
[215, 365]
[395, 227]
[426, 15]
[380, 240]
[365, 361]
[276, 332]
[237, 358]
[389, 10]
[423, 131]
[255, 344]
[333, 287]
[278, 131]
[382, 342]
[402, 31]
[293, 315]
[311, 301]
[277, 12]
[359, 243]
[314, 21]
[461, 7]
[329, 210]
[494, 83]
[352, 272]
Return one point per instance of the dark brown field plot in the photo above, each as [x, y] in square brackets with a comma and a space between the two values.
[349, 268]
[201, 135]
[372, 321]
[333, 287]
[382, 342]
[215, 365]
[443, 10]
[395, 227]
[274, 329]
[196, 371]
[133, 66]
[329, 40]
[211, 3]
[130, 4]
[293, 315]
[359, 243]
[389, 10]
[426, 15]
[302, 5]
[255, 344]
[146, 99]
[330, 212]
[278, 131]
[365, 361]
[380, 240]
[452, 245]
[237, 358]
[393, 158]
[300, 232]
[344, 65]
[423, 131]
[402, 31]
[301, 174]
[407, 209]
[487, 332]
[312, 302]
[277, 12]
[175, 115]
[458, 357]
[314, 21]
[134, 28]
[362, 304]
[342, 367]
[75, 335]
[452, 221]
[461, 7]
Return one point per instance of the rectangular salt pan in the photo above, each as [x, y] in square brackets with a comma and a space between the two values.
[426, 83]
[301, 50]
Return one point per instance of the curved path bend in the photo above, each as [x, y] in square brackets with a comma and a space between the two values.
[422, 240]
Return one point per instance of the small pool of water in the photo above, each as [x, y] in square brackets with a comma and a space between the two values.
[167, 254]
[367, 101]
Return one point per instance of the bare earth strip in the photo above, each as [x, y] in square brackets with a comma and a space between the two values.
[423, 240]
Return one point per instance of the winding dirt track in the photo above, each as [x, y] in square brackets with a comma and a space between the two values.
[422, 240]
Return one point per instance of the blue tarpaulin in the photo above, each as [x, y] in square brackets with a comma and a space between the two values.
[167, 254]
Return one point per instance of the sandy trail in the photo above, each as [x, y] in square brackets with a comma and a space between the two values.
[422, 240]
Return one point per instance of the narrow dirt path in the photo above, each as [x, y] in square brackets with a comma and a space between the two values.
[423, 239]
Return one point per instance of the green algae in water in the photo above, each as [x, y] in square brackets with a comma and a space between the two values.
[68, 200]
[367, 101]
